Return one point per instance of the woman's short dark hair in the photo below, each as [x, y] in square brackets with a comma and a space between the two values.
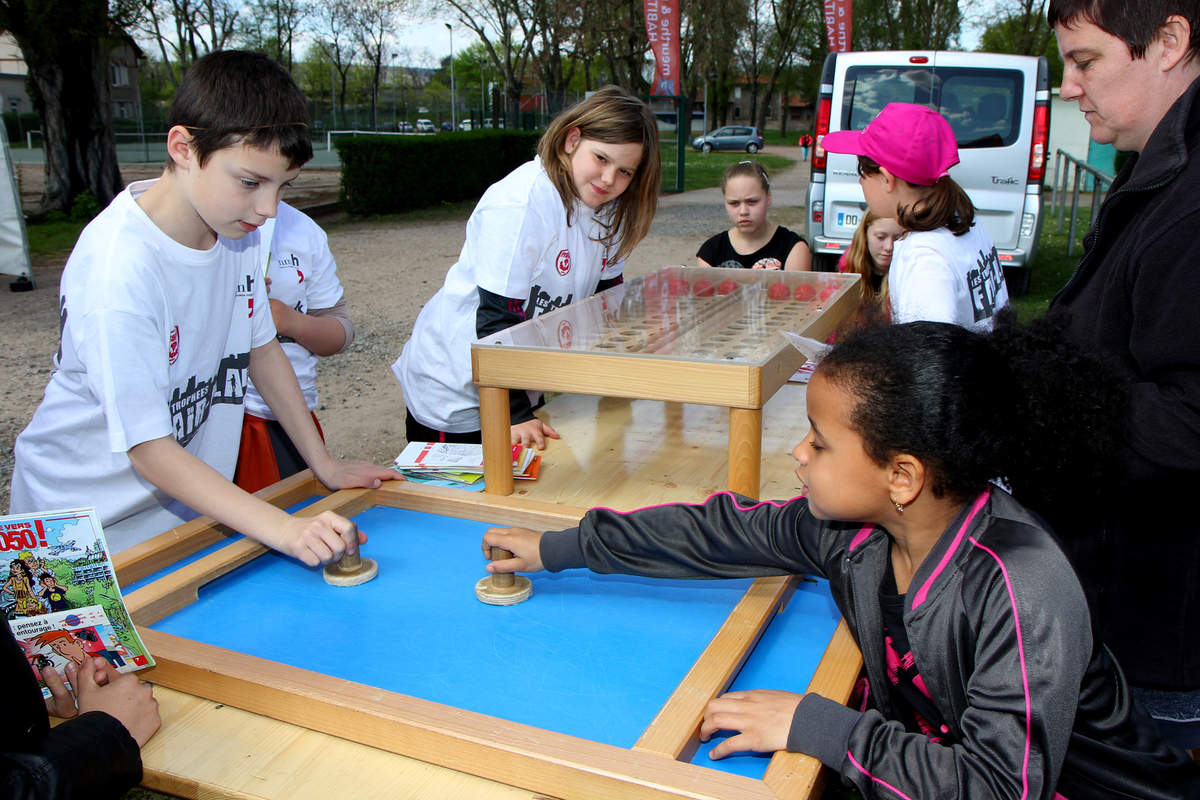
[234, 96]
[1136, 24]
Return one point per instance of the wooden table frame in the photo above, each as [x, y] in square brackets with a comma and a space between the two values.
[513, 753]
[743, 388]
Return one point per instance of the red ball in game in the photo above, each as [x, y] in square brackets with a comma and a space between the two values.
[828, 291]
[678, 286]
[727, 286]
[703, 289]
[779, 291]
[805, 292]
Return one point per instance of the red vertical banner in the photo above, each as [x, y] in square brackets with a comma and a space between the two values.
[662, 29]
[837, 25]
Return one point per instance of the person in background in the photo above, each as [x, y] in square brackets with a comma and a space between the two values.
[945, 268]
[1133, 69]
[870, 256]
[805, 142]
[754, 242]
[309, 310]
[555, 230]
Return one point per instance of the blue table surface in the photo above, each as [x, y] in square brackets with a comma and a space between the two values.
[588, 655]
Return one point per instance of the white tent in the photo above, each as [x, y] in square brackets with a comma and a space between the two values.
[14, 244]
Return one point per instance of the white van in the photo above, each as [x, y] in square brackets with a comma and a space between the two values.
[999, 108]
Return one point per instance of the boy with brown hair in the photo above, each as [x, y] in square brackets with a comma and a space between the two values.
[164, 316]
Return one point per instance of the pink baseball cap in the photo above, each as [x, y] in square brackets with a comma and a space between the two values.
[912, 142]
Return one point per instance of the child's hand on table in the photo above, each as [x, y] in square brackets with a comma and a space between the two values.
[762, 717]
[524, 544]
[122, 696]
[320, 539]
[339, 474]
[533, 433]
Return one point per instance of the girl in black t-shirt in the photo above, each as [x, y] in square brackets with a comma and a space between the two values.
[754, 242]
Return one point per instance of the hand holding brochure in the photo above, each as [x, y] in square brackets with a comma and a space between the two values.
[59, 593]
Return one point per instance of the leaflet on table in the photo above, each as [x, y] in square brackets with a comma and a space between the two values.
[459, 464]
[60, 596]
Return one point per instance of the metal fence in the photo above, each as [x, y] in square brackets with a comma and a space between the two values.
[1100, 181]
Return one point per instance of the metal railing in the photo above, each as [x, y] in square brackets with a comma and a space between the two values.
[1059, 196]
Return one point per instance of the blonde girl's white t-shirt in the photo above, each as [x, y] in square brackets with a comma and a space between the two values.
[936, 276]
[156, 341]
[303, 276]
[518, 245]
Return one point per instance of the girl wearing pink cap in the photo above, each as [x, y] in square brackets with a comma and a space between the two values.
[945, 268]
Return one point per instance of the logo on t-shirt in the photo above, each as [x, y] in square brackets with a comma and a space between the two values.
[173, 346]
[246, 289]
[189, 407]
[563, 262]
[540, 301]
[985, 283]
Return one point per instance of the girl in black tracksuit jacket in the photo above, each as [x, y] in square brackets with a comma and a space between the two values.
[985, 677]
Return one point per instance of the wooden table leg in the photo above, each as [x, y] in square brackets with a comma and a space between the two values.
[745, 451]
[497, 441]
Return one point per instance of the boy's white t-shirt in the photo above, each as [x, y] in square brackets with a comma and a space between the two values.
[939, 277]
[156, 341]
[303, 276]
[518, 245]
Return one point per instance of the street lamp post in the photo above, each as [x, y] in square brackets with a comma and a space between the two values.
[453, 120]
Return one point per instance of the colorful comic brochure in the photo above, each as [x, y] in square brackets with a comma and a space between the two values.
[59, 593]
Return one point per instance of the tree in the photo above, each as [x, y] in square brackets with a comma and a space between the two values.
[507, 37]
[906, 24]
[271, 25]
[713, 51]
[788, 22]
[333, 26]
[66, 45]
[1023, 31]
[184, 30]
[373, 22]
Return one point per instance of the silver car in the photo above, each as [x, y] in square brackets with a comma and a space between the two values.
[730, 137]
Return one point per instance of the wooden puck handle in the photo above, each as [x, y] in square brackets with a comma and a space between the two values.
[501, 579]
[351, 561]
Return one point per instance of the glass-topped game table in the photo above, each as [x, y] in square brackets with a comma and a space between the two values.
[700, 335]
[273, 684]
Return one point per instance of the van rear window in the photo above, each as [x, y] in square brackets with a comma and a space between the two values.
[983, 106]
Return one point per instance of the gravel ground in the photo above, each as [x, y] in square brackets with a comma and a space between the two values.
[389, 269]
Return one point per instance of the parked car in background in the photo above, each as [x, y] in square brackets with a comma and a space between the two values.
[425, 126]
[730, 137]
[998, 107]
[405, 126]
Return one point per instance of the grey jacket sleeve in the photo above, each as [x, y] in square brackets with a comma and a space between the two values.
[728, 536]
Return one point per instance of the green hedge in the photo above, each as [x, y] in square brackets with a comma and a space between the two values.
[389, 174]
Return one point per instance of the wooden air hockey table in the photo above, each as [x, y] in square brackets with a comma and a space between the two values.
[701, 335]
[274, 684]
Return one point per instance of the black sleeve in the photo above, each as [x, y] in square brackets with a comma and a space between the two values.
[90, 756]
[728, 536]
[497, 312]
[609, 283]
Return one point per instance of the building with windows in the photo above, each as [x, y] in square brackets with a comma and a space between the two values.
[122, 73]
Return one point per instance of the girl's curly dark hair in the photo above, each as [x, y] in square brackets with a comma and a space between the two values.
[1023, 404]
